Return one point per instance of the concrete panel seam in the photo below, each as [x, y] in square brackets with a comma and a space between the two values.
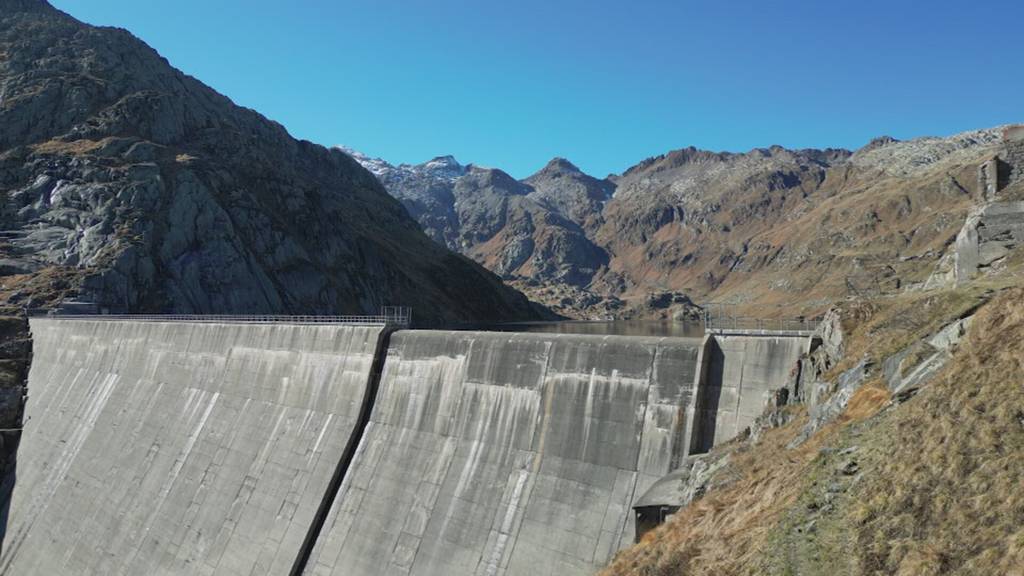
[348, 455]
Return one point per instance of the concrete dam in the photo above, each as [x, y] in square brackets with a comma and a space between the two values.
[168, 447]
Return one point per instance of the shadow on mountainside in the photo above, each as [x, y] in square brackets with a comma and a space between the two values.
[15, 359]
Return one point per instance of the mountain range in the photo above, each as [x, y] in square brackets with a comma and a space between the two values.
[785, 231]
[132, 185]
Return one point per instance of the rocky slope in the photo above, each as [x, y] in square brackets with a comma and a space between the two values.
[534, 228]
[133, 185]
[785, 231]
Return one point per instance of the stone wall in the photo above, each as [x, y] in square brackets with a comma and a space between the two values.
[1005, 168]
[988, 178]
[1013, 154]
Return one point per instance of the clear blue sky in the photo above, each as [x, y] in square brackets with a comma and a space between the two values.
[512, 83]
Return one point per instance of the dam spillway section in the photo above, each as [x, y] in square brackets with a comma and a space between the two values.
[227, 446]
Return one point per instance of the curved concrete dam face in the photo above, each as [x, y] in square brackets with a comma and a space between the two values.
[155, 447]
[180, 448]
[502, 453]
[742, 372]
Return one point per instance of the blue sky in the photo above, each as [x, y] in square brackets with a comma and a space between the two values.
[513, 83]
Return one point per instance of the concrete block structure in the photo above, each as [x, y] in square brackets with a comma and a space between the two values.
[1013, 151]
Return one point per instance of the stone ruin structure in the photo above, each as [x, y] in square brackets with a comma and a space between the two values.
[995, 227]
[1005, 168]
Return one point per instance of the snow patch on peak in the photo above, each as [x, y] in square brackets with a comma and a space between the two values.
[440, 168]
[377, 166]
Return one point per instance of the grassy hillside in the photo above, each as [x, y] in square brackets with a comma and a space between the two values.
[929, 486]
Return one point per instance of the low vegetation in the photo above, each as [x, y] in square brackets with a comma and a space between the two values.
[930, 486]
[943, 490]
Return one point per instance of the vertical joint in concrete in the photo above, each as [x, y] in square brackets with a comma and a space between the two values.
[345, 463]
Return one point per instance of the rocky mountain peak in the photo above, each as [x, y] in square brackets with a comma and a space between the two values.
[442, 167]
[447, 160]
[498, 180]
[913, 157]
[689, 219]
[559, 165]
[879, 142]
[133, 185]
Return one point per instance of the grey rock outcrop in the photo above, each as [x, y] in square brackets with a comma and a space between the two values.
[15, 358]
[156, 194]
[825, 351]
[829, 399]
[913, 367]
[994, 226]
[990, 232]
[904, 374]
[566, 190]
[533, 228]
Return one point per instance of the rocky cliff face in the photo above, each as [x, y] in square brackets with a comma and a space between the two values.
[536, 228]
[142, 189]
[785, 231]
[15, 358]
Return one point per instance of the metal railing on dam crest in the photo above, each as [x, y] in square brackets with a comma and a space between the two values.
[723, 319]
[395, 316]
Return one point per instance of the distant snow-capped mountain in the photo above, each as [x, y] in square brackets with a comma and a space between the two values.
[441, 168]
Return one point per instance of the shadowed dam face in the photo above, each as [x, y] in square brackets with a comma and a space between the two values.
[742, 372]
[180, 448]
[498, 453]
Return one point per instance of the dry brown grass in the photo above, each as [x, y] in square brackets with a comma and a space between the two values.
[74, 148]
[724, 532]
[946, 491]
[882, 327]
[727, 531]
[941, 483]
[866, 402]
[44, 288]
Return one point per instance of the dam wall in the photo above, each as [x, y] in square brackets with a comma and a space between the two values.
[741, 374]
[503, 453]
[230, 448]
[178, 447]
